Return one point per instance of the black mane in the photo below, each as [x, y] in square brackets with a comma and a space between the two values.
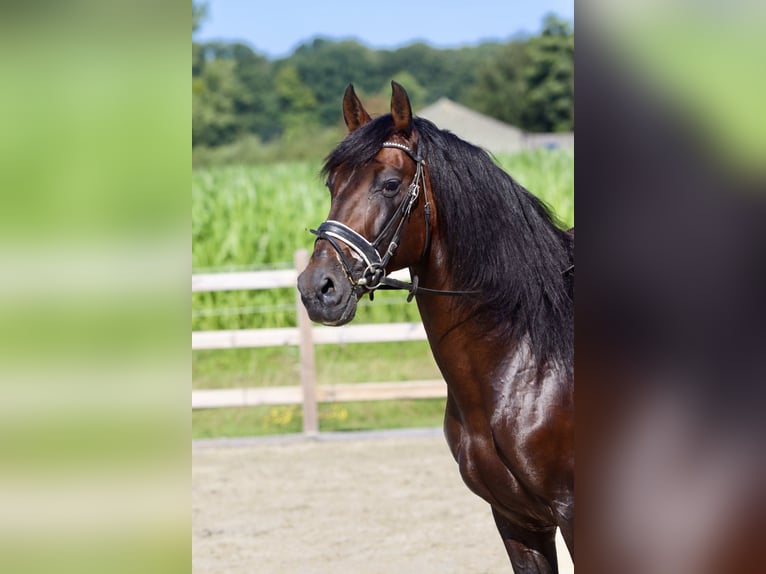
[501, 240]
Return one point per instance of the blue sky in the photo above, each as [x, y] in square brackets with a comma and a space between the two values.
[276, 27]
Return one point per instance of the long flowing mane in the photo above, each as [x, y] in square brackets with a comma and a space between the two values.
[501, 240]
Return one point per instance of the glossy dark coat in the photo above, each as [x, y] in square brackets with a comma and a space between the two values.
[506, 351]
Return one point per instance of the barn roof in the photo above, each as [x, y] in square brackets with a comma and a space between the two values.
[486, 132]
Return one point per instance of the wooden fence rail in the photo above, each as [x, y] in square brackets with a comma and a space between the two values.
[304, 336]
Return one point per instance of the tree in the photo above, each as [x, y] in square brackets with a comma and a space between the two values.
[549, 102]
[326, 67]
[199, 13]
[442, 73]
[255, 103]
[297, 103]
[236, 91]
[501, 86]
[530, 83]
[214, 93]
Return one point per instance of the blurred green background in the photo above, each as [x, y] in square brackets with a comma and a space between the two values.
[94, 362]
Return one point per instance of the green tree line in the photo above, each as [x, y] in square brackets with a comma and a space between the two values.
[237, 92]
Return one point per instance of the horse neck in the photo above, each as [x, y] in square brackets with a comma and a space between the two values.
[451, 322]
[459, 340]
[451, 331]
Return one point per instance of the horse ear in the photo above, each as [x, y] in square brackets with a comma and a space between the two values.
[401, 111]
[354, 113]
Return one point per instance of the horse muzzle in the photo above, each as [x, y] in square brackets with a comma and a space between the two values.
[327, 295]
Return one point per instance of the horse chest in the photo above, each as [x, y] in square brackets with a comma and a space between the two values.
[504, 485]
[500, 441]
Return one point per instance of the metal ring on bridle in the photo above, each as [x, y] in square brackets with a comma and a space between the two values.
[372, 277]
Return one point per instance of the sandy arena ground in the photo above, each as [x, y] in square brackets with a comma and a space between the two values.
[362, 503]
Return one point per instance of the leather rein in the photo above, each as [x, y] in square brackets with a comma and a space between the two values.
[374, 275]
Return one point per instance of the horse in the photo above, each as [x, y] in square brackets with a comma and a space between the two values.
[493, 276]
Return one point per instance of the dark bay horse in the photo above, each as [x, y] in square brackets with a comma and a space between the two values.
[493, 279]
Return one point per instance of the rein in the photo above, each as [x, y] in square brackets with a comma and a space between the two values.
[374, 275]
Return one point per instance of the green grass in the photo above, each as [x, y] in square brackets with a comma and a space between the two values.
[548, 174]
[279, 366]
[255, 218]
[342, 416]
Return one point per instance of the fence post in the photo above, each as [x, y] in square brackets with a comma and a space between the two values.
[308, 373]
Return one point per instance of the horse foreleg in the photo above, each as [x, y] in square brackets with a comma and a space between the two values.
[530, 551]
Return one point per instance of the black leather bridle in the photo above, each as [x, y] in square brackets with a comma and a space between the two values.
[374, 275]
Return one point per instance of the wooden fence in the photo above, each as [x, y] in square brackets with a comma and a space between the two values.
[305, 336]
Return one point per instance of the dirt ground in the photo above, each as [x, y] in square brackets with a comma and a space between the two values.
[363, 503]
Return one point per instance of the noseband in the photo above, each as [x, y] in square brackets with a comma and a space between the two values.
[374, 275]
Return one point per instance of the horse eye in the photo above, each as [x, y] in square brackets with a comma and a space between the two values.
[391, 185]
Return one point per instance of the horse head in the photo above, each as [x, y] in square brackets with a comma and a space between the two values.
[378, 212]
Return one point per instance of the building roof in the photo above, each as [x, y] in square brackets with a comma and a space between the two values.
[486, 132]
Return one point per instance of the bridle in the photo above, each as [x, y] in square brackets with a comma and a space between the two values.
[374, 275]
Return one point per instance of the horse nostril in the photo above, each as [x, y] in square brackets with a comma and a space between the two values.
[327, 286]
